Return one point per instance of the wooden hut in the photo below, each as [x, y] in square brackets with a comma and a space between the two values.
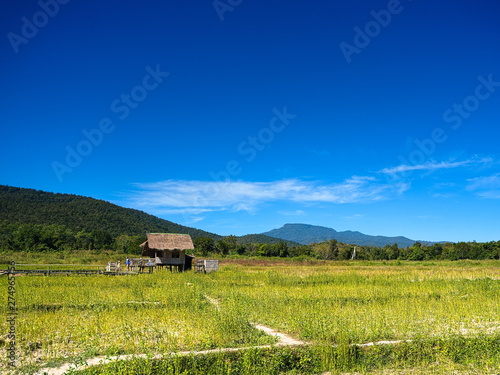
[169, 249]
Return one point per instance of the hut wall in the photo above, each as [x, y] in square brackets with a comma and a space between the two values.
[166, 257]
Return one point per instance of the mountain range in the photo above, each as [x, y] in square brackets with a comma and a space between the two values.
[306, 234]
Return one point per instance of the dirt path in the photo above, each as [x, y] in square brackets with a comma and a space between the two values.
[283, 340]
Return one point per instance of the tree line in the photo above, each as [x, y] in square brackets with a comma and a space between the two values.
[57, 237]
[334, 250]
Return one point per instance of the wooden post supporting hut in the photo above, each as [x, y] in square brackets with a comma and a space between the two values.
[169, 249]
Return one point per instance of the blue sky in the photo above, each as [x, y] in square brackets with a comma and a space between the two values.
[239, 116]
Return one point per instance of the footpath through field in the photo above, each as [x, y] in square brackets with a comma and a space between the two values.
[284, 340]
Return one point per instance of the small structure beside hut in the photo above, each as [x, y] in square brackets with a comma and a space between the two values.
[207, 266]
[169, 249]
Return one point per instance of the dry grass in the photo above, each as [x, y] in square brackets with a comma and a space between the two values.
[325, 303]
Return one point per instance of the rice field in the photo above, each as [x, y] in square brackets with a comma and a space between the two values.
[445, 317]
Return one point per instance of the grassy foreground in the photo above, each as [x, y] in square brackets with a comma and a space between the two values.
[449, 311]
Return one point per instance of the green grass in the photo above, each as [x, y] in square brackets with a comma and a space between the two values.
[449, 311]
[479, 355]
[330, 303]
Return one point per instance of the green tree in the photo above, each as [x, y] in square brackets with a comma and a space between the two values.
[128, 244]
[101, 239]
[268, 250]
[345, 252]
[302, 250]
[204, 245]
[392, 251]
[282, 249]
[223, 247]
[83, 240]
[416, 252]
[241, 249]
[26, 237]
[326, 250]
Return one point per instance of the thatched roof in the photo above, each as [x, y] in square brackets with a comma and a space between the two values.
[168, 241]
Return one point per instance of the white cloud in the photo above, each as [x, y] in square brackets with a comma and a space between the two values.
[432, 166]
[195, 197]
[183, 211]
[486, 187]
[292, 213]
[353, 217]
[195, 219]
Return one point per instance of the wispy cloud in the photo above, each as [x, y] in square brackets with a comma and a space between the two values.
[353, 217]
[195, 219]
[433, 166]
[195, 197]
[292, 213]
[485, 187]
[443, 195]
[182, 210]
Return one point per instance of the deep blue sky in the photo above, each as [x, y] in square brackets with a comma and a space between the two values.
[392, 133]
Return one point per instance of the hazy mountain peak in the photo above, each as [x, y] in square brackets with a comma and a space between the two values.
[307, 233]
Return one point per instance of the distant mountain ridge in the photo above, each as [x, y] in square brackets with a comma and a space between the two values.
[306, 234]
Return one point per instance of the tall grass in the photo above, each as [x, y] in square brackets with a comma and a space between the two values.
[449, 310]
[357, 304]
[459, 355]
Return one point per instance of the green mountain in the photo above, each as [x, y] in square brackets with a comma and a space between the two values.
[78, 213]
[306, 234]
